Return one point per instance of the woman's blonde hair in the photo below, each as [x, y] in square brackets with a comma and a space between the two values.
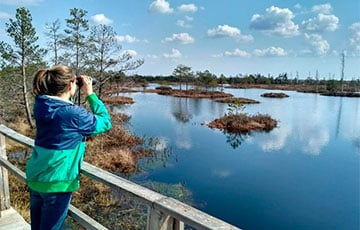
[53, 81]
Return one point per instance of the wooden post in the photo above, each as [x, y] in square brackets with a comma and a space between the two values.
[4, 181]
[159, 221]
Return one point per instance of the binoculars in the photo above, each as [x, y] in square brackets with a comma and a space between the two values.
[79, 81]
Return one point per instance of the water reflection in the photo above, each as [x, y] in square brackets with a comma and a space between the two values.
[276, 139]
[310, 126]
[356, 144]
[275, 171]
[221, 173]
[234, 139]
[339, 117]
[160, 153]
[183, 139]
[180, 109]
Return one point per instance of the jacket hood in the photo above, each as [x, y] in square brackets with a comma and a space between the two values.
[46, 106]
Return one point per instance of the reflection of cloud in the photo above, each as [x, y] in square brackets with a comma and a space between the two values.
[276, 139]
[183, 139]
[183, 144]
[162, 143]
[316, 141]
[221, 173]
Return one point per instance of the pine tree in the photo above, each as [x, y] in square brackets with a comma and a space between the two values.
[24, 52]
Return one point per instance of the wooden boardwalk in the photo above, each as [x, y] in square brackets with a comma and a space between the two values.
[11, 220]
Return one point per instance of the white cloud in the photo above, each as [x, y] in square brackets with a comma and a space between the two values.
[101, 19]
[224, 31]
[228, 31]
[237, 53]
[324, 8]
[297, 6]
[20, 2]
[188, 8]
[126, 38]
[318, 44]
[276, 21]
[355, 37]
[160, 6]
[184, 23]
[131, 53]
[322, 22]
[173, 55]
[183, 38]
[189, 18]
[270, 52]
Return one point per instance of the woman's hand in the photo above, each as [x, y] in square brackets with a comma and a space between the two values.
[86, 88]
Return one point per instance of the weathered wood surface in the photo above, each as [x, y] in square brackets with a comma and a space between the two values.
[84, 220]
[11, 220]
[10, 133]
[4, 180]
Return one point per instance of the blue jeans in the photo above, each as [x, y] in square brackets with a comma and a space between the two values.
[48, 210]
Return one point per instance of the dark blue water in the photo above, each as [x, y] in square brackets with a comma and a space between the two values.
[304, 174]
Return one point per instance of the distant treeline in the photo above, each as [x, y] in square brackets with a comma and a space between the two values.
[208, 79]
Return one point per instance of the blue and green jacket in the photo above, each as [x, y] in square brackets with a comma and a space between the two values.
[62, 127]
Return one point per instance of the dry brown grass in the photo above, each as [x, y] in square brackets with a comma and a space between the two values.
[242, 123]
[118, 100]
[275, 95]
[19, 197]
[240, 100]
[194, 93]
[21, 126]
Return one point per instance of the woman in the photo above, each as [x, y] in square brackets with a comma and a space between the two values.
[53, 170]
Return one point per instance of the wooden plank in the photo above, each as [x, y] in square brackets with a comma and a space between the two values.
[85, 220]
[27, 141]
[12, 220]
[191, 216]
[144, 195]
[13, 169]
[4, 180]
[160, 221]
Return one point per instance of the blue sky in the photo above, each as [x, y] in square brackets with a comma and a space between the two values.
[225, 37]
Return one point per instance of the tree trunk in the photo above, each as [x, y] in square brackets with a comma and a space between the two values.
[26, 99]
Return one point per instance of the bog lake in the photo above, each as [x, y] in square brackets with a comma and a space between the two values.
[304, 174]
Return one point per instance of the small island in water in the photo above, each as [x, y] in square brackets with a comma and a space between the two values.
[243, 123]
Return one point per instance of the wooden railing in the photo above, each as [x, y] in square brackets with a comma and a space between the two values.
[163, 212]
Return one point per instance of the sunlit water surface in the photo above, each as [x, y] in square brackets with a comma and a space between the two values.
[304, 174]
